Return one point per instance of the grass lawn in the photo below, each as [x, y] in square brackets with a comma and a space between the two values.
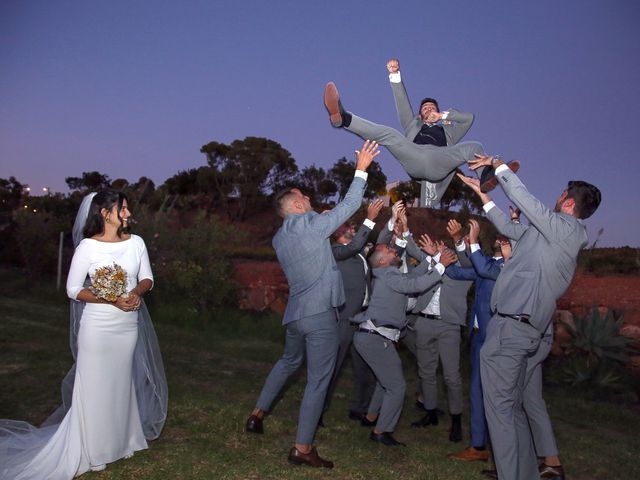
[216, 367]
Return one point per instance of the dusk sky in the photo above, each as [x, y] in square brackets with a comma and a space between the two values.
[133, 88]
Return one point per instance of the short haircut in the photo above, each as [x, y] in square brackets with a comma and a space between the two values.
[341, 230]
[586, 197]
[280, 201]
[430, 100]
[374, 257]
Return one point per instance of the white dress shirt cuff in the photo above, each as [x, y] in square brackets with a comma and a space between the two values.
[401, 243]
[390, 224]
[395, 77]
[362, 175]
[369, 224]
[460, 246]
[440, 268]
[475, 247]
[502, 168]
[445, 114]
[488, 206]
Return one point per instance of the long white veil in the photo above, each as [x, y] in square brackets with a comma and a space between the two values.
[20, 441]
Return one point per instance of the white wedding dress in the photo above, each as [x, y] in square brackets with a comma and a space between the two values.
[103, 423]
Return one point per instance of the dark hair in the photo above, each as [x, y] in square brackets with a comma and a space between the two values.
[106, 198]
[430, 100]
[586, 197]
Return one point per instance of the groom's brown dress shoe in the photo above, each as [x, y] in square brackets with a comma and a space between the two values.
[254, 425]
[312, 458]
[488, 180]
[333, 105]
[553, 473]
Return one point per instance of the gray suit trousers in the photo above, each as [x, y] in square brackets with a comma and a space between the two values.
[439, 341]
[503, 366]
[316, 335]
[364, 381]
[422, 162]
[535, 407]
[388, 398]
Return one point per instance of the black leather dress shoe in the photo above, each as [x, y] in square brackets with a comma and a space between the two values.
[386, 439]
[553, 473]
[365, 422]
[353, 415]
[253, 425]
[312, 458]
[431, 418]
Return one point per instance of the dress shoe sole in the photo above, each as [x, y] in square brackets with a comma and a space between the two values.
[294, 461]
[332, 104]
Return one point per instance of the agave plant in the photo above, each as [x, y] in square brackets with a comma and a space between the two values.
[597, 349]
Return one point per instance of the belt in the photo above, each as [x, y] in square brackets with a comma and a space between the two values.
[366, 330]
[429, 316]
[517, 318]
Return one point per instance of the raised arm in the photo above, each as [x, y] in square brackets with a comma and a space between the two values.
[419, 280]
[486, 267]
[460, 124]
[403, 106]
[327, 223]
[342, 252]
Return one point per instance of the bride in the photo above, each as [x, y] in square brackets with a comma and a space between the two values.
[115, 396]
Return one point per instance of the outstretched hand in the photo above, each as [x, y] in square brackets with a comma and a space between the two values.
[393, 65]
[427, 245]
[366, 155]
[374, 209]
[473, 183]
[484, 161]
[447, 257]
[474, 231]
[454, 229]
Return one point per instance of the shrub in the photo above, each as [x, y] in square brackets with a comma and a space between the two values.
[190, 261]
[597, 351]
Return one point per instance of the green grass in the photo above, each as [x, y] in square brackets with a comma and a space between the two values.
[216, 366]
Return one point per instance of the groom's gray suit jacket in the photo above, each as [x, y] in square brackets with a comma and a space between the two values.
[455, 126]
[304, 252]
[544, 258]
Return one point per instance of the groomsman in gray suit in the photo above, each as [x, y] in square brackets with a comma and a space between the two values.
[379, 331]
[428, 150]
[523, 301]
[348, 252]
[440, 311]
[315, 290]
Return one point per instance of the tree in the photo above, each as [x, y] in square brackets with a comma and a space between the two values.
[408, 191]
[10, 194]
[459, 194]
[342, 174]
[249, 169]
[315, 182]
[90, 181]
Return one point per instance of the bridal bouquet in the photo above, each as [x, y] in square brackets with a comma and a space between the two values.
[109, 282]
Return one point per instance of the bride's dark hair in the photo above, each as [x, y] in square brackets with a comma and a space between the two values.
[106, 198]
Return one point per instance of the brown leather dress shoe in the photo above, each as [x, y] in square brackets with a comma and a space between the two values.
[470, 454]
[253, 425]
[332, 104]
[554, 473]
[312, 458]
[488, 180]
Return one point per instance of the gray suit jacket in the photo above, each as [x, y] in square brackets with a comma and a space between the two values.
[543, 260]
[453, 293]
[351, 266]
[390, 289]
[455, 126]
[304, 252]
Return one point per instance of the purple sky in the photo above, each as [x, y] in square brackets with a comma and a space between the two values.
[136, 88]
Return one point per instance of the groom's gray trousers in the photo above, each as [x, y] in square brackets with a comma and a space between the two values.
[421, 162]
[317, 336]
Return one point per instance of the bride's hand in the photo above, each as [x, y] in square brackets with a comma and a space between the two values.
[128, 303]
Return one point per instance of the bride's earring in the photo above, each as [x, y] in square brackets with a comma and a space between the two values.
[107, 220]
